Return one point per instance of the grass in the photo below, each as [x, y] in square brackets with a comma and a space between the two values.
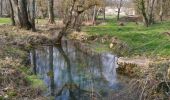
[142, 40]
[36, 82]
[5, 20]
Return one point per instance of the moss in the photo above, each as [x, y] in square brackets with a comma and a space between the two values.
[36, 82]
[25, 70]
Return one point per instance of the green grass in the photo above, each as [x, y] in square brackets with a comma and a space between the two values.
[142, 40]
[8, 21]
[5, 20]
[34, 80]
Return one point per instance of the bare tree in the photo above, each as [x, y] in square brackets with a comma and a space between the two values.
[94, 15]
[12, 13]
[146, 8]
[118, 4]
[143, 10]
[33, 16]
[21, 14]
[151, 13]
[51, 11]
[1, 7]
[73, 11]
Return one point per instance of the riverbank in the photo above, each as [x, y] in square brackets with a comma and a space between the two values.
[17, 79]
[144, 53]
[16, 44]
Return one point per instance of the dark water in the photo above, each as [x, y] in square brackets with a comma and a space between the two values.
[71, 74]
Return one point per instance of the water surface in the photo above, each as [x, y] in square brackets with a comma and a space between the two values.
[73, 74]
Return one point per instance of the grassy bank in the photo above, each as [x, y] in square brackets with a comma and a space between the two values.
[142, 40]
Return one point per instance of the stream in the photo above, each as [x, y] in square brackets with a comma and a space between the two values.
[72, 74]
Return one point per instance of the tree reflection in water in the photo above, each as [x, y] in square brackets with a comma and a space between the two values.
[71, 74]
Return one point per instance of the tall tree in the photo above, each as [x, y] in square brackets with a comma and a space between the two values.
[161, 10]
[143, 11]
[21, 14]
[146, 8]
[12, 13]
[94, 15]
[73, 9]
[119, 6]
[51, 11]
[1, 7]
[33, 16]
[151, 11]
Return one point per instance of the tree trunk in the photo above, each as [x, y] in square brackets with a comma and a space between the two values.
[151, 15]
[12, 13]
[51, 11]
[119, 9]
[118, 14]
[61, 34]
[24, 15]
[143, 10]
[68, 23]
[33, 16]
[94, 16]
[161, 10]
[76, 23]
[104, 13]
[16, 12]
[1, 7]
[21, 14]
